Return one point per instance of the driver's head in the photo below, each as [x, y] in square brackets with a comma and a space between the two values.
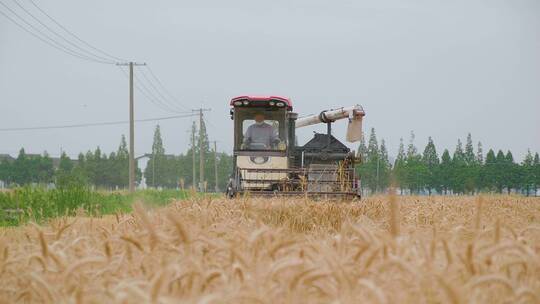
[259, 118]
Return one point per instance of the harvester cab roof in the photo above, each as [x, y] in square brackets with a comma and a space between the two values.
[267, 159]
[262, 101]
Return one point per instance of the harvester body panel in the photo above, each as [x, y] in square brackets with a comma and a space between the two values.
[257, 178]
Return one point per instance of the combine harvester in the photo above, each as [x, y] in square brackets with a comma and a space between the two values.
[268, 161]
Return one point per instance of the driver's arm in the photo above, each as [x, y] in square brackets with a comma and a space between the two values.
[274, 138]
[247, 136]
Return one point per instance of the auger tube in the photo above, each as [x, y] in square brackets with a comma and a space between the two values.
[329, 116]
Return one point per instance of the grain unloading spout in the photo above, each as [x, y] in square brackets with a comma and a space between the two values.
[354, 113]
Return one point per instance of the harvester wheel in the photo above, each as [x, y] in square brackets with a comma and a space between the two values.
[230, 190]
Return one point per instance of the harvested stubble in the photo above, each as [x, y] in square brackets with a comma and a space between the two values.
[435, 250]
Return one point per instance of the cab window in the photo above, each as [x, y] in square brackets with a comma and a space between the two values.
[259, 129]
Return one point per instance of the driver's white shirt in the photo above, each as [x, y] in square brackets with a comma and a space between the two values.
[261, 134]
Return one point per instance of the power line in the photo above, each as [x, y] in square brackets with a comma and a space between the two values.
[75, 36]
[164, 99]
[144, 90]
[163, 87]
[153, 97]
[161, 100]
[95, 124]
[48, 40]
[211, 124]
[60, 36]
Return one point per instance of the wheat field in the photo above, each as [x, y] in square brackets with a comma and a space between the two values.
[212, 250]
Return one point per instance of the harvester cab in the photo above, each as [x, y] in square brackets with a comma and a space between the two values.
[267, 160]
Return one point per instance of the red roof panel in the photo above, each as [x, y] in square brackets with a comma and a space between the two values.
[266, 98]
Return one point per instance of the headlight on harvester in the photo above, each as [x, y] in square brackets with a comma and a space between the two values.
[238, 103]
[259, 160]
[280, 104]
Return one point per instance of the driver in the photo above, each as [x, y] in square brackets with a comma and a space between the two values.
[261, 134]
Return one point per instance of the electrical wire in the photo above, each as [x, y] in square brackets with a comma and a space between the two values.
[164, 106]
[144, 90]
[49, 40]
[166, 103]
[43, 40]
[210, 123]
[94, 124]
[164, 99]
[162, 86]
[149, 97]
[159, 93]
[74, 35]
[88, 53]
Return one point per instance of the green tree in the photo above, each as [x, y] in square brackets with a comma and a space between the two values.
[158, 168]
[45, 168]
[368, 168]
[194, 160]
[399, 170]
[415, 169]
[384, 167]
[362, 148]
[445, 172]
[65, 164]
[489, 171]
[225, 167]
[430, 160]
[511, 173]
[500, 167]
[459, 173]
[6, 172]
[63, 173]
[480, 178]
[21, 174]
[121, 165]
[536, 168]
[70, 175]
[479, 154]
[469, 156]
[471, 169]
[527, 171]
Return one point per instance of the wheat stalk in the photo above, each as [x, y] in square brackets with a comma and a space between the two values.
[394, 214]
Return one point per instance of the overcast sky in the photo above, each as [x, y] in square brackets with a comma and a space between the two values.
[440, 68]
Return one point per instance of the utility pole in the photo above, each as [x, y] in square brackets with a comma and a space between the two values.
[131, 125]
[377, 188]
[216, 188]
[201, 149]
[193, 185]
[201, 152]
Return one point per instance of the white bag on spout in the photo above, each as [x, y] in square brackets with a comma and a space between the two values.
[354, 130]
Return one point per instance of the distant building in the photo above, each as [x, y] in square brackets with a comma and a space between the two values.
[33, 155]
[6, 158]
[56, 160]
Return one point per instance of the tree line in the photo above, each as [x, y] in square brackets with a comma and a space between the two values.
[91, 168]
[466, 171]
[97, 169]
